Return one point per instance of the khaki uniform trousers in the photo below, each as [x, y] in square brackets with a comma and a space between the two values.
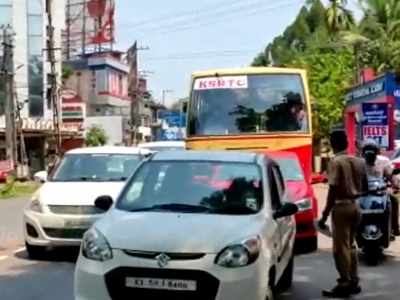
[345, 221]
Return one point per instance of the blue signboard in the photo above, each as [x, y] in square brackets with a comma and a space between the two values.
[173, 118]
[375, 123]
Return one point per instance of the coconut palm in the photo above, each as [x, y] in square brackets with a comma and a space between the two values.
[338, 17]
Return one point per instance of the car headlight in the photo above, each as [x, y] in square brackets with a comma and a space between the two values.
[240, 255]
[35, 205]
[95, 246]
[304, 204]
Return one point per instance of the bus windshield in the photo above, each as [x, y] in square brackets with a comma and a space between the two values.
[252, 104]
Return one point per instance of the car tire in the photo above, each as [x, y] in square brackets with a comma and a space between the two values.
[35, 252]
[306, 246]
[285, 282]
[270, 294]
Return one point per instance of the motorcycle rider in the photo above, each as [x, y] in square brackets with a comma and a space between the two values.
[379, 166]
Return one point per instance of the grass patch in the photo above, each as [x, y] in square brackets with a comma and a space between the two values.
[15, 189]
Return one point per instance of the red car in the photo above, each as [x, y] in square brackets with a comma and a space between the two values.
[303, 195]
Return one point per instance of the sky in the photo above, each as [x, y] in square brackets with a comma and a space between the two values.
[185, 36]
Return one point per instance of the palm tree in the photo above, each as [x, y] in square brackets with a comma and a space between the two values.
[381, 25]
[338, 17]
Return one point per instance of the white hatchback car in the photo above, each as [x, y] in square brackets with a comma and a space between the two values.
[179, 232]
[63, 208]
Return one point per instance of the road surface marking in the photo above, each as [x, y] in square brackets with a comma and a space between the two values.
[19, 250]
[3, 257]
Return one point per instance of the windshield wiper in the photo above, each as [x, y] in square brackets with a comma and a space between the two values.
[234, 210]
[175, 207]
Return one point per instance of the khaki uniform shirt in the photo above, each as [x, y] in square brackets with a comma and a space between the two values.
[348, 174]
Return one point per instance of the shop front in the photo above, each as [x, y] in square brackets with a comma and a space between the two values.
[372, 111]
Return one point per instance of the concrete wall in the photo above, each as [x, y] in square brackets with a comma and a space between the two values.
[113, 126]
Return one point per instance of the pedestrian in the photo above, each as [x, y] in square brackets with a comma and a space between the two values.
[347, 178]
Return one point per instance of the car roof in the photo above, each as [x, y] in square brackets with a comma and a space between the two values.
[282, 154]
[163, 144]
[220, 156]
[109, 150]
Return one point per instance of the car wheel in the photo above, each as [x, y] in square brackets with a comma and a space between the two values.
[270, 294]
[286, 280]
[35, 252]
[306, 246]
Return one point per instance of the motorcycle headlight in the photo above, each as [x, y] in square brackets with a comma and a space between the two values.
[240, 255]
[35, 205]
[304, 204]
[95, 246]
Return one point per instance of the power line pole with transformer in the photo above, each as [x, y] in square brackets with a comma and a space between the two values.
[53, 77]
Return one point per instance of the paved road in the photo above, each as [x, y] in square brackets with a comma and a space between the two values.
[22, 279]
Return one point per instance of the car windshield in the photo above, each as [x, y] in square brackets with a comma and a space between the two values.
[189, 186]
[291, 169]
[248, 104]
[96, 167]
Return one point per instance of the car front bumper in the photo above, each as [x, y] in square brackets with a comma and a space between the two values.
[106, 280]
[53, 230]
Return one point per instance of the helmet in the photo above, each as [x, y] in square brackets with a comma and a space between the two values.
[370, 145]
[370, 151]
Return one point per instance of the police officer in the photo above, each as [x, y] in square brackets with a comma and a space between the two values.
[347, 177]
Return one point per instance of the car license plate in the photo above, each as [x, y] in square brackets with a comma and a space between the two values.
[161, 284]
[78, 224]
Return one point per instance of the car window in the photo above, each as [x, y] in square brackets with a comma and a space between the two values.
[162, 183]
[280, 181]
[291, 169]
[96, 167]
[275, 189]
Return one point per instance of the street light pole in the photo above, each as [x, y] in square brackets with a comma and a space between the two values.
[164, 93]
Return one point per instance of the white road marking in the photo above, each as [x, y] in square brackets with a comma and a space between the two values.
[3, 257]
[19, 250]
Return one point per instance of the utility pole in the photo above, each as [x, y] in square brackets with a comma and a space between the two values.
[133, 91]
[164, 93]
[53, 76]
[7, 74]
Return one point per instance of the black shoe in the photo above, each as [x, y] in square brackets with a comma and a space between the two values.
[396, 232]
[355, 290]
[337, 292]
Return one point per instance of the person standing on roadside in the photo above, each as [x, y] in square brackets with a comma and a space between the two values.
[347, 178]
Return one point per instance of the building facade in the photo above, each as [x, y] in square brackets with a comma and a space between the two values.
[27, 20]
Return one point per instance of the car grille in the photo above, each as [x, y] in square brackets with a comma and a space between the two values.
[207, 285]
[75, 210]
[65, 233]
[172, 256]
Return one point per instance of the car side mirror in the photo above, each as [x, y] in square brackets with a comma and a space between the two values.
[396, 171]
[104, 202]
[41, 176]
[287, 209]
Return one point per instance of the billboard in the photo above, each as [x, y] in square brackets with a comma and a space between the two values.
[89, 24]
[375, 123]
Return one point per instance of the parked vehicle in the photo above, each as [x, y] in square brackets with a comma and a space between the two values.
[302, 193]
[63, 208]
[169, 236]
[163, 146]
[374, 232]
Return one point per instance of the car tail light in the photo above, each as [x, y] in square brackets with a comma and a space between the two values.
[396, 165]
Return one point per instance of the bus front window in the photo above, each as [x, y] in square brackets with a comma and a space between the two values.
[260, 104]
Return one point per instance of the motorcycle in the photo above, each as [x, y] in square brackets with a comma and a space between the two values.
[374, 231]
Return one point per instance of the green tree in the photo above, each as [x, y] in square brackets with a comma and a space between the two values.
[338, 17]
[330, 75]
[96, 136]
[316, 15]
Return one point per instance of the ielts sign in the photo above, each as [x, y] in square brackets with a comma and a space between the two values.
[225, 82]
[380, 134]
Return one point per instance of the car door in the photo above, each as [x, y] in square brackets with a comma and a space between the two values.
[285, 224]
